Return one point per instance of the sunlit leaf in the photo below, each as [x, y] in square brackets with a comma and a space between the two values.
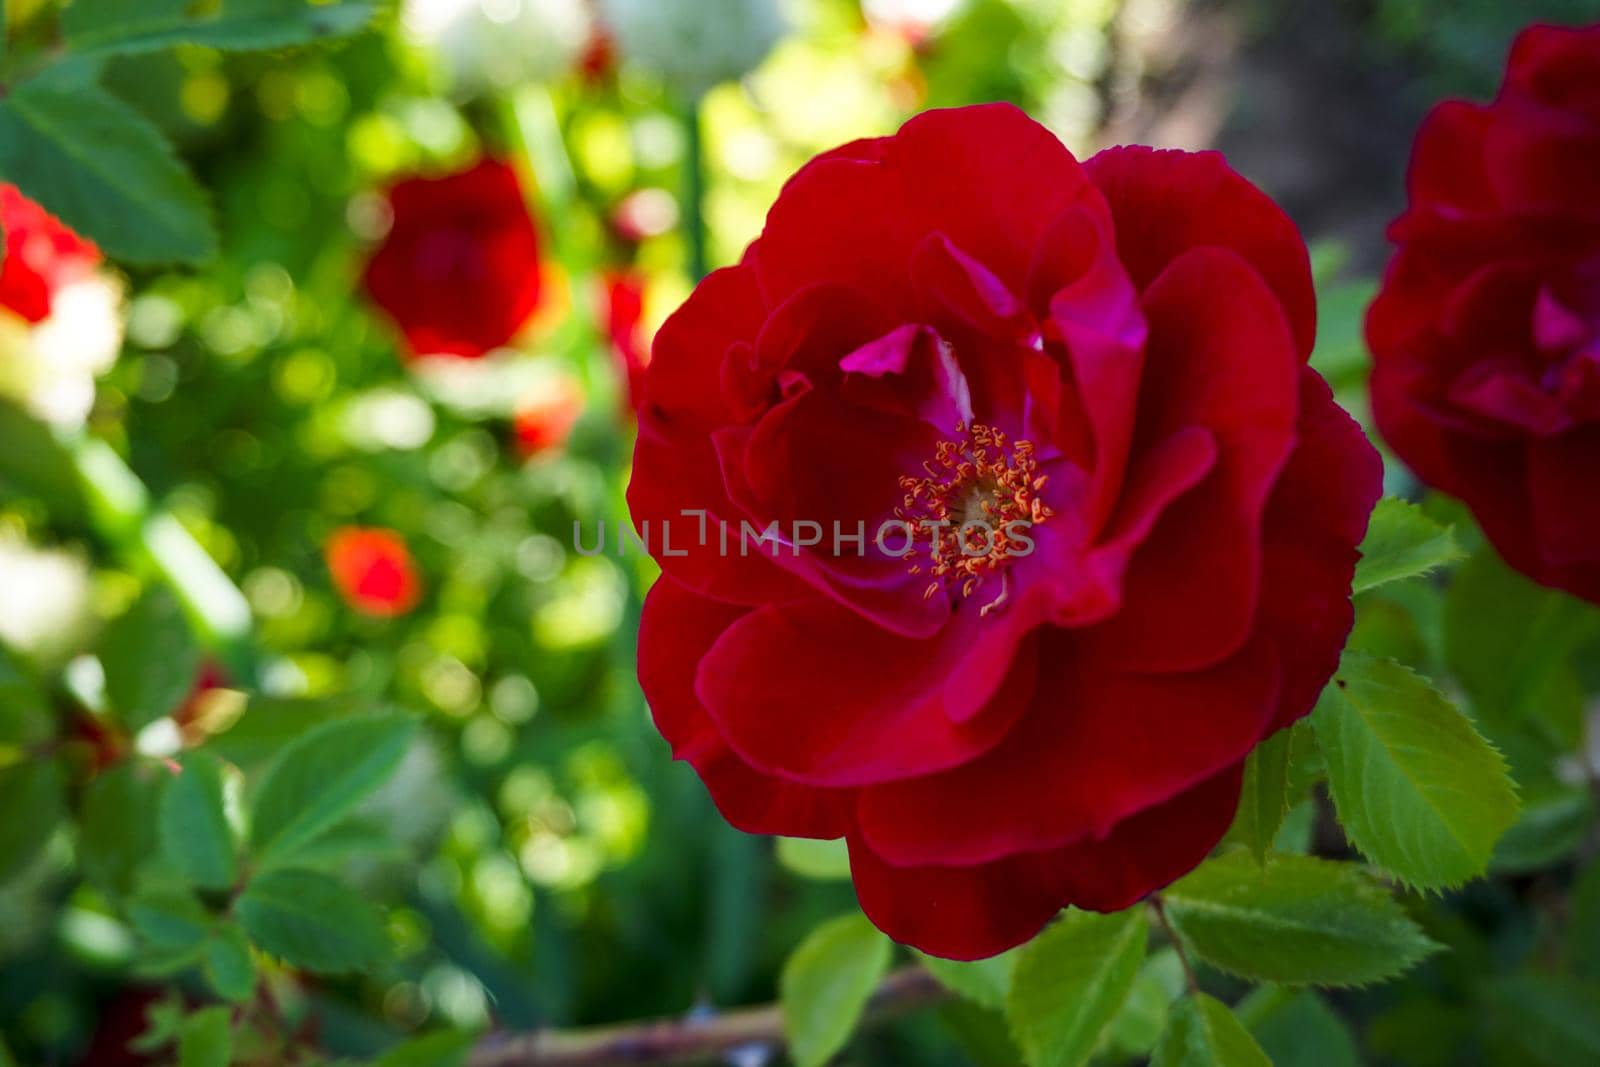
[1417, 789]
[1402, 542]
[984, 981]
[1070, 983]
[826, 984]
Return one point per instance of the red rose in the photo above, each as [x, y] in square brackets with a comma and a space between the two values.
[373, 571]
[1486, 334]
[961, 321]
[459, 271]
[41, 255]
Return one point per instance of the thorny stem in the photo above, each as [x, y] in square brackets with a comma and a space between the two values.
[678, 1042]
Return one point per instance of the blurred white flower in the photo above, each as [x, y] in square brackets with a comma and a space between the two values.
[51, 366]
[45, 609]
[694, 44]
[486, 44]
[911, 16]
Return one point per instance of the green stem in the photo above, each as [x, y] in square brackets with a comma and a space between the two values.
[121, 512]
[694, 189]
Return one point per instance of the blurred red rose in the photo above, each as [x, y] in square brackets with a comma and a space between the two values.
[622, 297]
[1486, 333]
[41, 255]
[961, 321]
[459, 271]
[545, 417]
[373, 571]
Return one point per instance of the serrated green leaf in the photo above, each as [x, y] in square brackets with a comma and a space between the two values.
[151, 659]
[228, 964]
[1070, 983]
[31, 798]
[431, 1050]
[194, 831]
[825, 986]
[206, 1038]
[821, 860]
[104, 170]
[1418, 790]
[1298, 920]
[1264, 797]
[268, 725]
[117, 823]
[320, 776]
[985, 982]
[112, 27]
[310, 920]
[1402, 542]
[1202, 1032]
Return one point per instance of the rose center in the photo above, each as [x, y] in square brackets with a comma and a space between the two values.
[970, 510]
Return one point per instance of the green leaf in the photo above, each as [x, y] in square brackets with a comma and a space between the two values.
[447, 1049]
[117, 823]
[228, 964]
[1555, 821]
[1070, 983]
[1297, 920]
[32, 803]
[1402, 542]
[267, 726]
[170, 918]
[1417, 789]
[809, 858]
[1202, 1032]
[104, 170]
[1510, 643]
[194, 830]
[309, 920]
[826, 984]
[25, 716]
[6, 1058]
[1581, 945]
[108, 27]
[1264, 798]
[150, 658]
[33, 462]
[206, 1038]
[1545, 1021]
[1143, 1019]
[1298, 1029]
[985, 982]
[320, 776]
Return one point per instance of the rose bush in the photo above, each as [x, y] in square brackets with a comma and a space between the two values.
[962, 322]
[459, 271]
[1486, 333]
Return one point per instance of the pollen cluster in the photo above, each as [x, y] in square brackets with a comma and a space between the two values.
[973, 491]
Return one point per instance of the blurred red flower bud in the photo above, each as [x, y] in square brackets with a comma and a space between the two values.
[373, 571]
